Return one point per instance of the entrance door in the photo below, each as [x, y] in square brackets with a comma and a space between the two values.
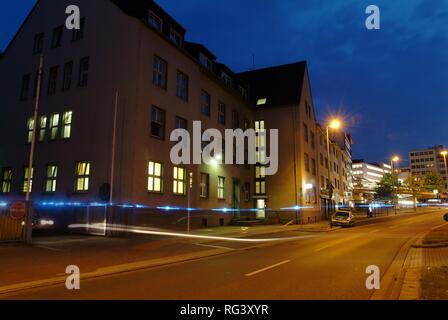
[236, 198]
[261, 209]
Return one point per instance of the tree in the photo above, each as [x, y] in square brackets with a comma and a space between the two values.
[414, 184]
[387, 185]
[433, 181]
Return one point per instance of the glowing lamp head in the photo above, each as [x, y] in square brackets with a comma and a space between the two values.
[444, 153]
[335, 124]
[395, 159]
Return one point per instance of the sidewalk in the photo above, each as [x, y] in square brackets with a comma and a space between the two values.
[426, 267]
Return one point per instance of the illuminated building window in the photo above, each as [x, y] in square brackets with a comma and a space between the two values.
[30, 127]
[261, 102]
[67, 124]
[54, 126]
[42, 128]
[155, 21]
[50, 178]
[26, 175]
[179, 181]
[260, 187]
[6, 180]
[206, 101]
[155, 177]
[182, 86]
[82, 176]
[221, 188]
[204, 185]
[158, 123]
[160, 72]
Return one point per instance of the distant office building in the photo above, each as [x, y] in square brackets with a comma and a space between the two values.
[366, 177]
[428, 160]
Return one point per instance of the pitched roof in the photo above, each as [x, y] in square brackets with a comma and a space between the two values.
[280, 85]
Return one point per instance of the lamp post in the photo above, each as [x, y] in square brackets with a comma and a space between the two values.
[395, 159]
[444, 153]
[335, 125]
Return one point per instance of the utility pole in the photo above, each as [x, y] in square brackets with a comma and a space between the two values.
[114, 139]
[29, 207]
[330, 184]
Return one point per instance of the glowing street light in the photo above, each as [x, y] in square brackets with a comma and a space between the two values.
[395, 159]
[444, 153]
[334, 124]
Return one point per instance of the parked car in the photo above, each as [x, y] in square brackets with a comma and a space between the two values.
[343, 218]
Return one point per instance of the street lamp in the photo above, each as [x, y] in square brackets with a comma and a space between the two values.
[444, 153]
[395, 159]
[335, 124]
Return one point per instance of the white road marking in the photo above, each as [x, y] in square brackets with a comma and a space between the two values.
[216, 247]
[49, 248]
[267, 268]
[335, 243]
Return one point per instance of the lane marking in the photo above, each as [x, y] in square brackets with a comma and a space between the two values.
[216, 247]
[267, 268]
[50, 248]
[374, 231]
[335, 243]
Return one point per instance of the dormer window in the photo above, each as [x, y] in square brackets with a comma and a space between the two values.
[262, 101]
[226, 78]
[175, 37]
[243, 91]
[155, 21]
[205, 61]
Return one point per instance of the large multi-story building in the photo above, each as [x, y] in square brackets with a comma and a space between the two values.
[428, 160]
[366, 177]
[112, 93]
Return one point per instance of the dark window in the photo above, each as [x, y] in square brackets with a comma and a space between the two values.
[182, 86]
[25, 87]
[206, 101]
[235, 120]
[204, 185]
[155, 21]
[307, 162]
[159, 72]
[181, 123]
[176, 37]
[313, 167]
[305, 132]
[67, 76]
[313, 140]
[56, 41]
[52, 80]
[78, 34]
[36, 80]
[222, 112]
[38, 43]
[158, 123]
[83, 72]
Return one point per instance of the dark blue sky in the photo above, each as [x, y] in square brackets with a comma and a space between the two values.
[390, 84]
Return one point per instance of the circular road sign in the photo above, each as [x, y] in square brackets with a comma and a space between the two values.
[17, 210]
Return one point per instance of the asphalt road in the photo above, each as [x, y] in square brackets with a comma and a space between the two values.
[325, 266]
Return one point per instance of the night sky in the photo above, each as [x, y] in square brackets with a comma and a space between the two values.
[391, 84]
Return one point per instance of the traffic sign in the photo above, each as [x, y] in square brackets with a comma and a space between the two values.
[17, 210]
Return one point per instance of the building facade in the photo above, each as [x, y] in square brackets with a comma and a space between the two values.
[428, 160]
[366, 177]
[112, 93]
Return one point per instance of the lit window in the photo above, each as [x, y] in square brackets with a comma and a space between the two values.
[204, 185]
[155, 21]
[50, 179]
[179, 181]
[30, 128]
[221, 188]
[159, 72]
[6, 180]
[260, 187]
[82, 178]
[54, 126]
[262, 102]
[26, 176]
[67, 124]
[42, 128]
[155, 172]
